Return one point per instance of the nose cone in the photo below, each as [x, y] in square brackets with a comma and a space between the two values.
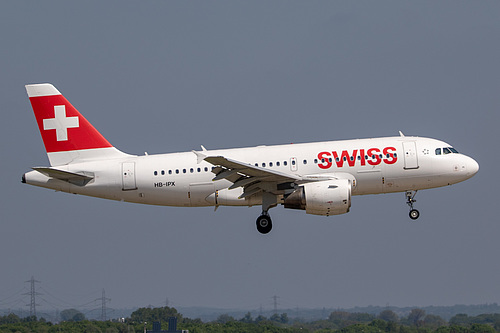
[472, 167]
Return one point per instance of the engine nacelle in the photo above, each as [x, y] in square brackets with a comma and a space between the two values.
[328, 197]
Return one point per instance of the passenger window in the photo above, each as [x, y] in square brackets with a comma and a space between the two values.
[446, 151]
[256, 164]
[315, 161]
[156, 173]
[199, 169]
[183, 170]
[285, 163]
[177, 171]
[169, 172]
[162, 172]
[263, 165]
[191, 170]
[438, 151]
[305, 161]
[270, 164]
[293, 162]
[277, 163]
[206, 169]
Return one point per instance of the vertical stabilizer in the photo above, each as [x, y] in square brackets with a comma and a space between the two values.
[68, 137]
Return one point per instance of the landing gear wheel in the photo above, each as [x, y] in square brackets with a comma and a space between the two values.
[410, 200]
[414, 214]
[264, 224]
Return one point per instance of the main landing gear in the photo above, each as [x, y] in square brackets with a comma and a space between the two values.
[264, 223]
[410, 195]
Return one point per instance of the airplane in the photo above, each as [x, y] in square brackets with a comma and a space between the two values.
[319, 177]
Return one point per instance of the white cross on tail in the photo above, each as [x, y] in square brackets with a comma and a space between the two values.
[60, 123]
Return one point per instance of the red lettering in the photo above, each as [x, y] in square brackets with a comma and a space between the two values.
[373, 158]
[351, 159]
[390, 151]
[324, 160]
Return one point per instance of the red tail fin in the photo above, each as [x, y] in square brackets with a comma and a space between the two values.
[67, 135]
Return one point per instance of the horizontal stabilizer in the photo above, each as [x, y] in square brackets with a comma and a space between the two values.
[79, 179]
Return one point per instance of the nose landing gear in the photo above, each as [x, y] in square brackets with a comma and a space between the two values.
[410, 200]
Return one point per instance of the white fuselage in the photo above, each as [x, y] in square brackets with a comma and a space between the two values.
[379, 165]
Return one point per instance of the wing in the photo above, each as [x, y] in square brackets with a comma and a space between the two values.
[252, 178]
[255, 179]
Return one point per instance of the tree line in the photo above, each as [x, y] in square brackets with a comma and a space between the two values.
[417, 321]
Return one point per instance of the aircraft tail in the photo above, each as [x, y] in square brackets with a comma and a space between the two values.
[68, 137]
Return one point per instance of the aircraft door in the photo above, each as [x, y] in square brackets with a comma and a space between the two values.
[410, 155]
[128, 176]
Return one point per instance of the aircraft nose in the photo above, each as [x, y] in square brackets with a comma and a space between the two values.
[472, 167]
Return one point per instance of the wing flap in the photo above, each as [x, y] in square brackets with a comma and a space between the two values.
[244, 181]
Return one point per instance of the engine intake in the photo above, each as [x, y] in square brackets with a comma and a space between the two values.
[329, 197]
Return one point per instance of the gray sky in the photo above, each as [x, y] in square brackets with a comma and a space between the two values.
[163, 76]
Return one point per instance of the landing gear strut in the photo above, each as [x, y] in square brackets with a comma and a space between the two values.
[410, 195]
[264, 223]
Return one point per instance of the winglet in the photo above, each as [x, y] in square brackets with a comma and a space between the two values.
[199, 156]
[401, 134]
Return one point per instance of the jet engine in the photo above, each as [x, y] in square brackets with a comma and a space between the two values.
[328, 197]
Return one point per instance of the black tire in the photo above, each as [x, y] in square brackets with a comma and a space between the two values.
[264, 224]
[414, 214]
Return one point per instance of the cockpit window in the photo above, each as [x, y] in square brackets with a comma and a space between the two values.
[446, 151]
